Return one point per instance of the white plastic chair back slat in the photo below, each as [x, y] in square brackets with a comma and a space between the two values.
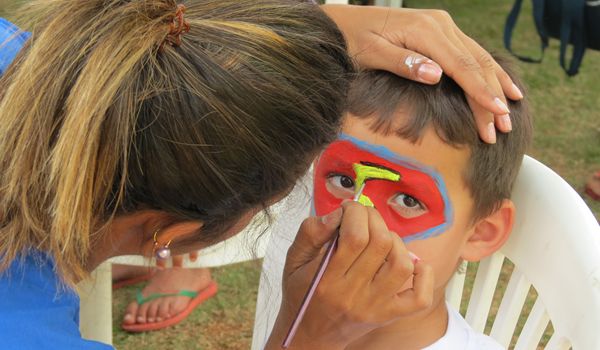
[510, 308]
[483, 291]
[557, 342]
[454, 289]
[534, 327]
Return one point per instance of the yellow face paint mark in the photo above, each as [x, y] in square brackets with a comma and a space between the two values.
[368, 172]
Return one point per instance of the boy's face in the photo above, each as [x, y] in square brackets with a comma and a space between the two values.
[429, 207]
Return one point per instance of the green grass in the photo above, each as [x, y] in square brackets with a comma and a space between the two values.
[567, 138]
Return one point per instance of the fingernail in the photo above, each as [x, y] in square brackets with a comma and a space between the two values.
[415, 259]
[150, 319]
[159, 319]
[502, 105]
[332, 218]
[429, 73]
[517, 91]
[506, 123]
[141, 320]
[491, 133]
[128, 318]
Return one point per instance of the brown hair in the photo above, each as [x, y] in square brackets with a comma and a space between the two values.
[96, 122]
[492, 169]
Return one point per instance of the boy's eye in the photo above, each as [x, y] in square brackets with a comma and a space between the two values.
[341, 186]
[407, 206]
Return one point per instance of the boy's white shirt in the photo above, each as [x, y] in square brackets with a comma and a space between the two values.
[460, 335]
[292, 211]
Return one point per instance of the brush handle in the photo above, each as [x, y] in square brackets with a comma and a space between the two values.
[311, 291]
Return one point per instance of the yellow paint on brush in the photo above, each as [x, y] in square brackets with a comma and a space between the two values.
[368, 172]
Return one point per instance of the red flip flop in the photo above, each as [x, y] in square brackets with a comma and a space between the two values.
[132, 281]
[588, 187]
[198, 297]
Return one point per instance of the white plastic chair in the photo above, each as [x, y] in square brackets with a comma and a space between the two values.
[555, 247]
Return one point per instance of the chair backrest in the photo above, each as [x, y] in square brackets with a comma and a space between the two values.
[555, 247]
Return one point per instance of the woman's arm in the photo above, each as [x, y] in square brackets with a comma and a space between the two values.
[405, 41]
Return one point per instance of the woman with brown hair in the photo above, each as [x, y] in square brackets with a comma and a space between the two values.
[149, 127]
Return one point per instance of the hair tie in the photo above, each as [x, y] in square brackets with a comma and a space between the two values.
[177, 28]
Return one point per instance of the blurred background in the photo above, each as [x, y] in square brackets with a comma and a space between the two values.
[567, 139]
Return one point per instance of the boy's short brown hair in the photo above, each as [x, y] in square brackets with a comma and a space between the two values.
[492, 169]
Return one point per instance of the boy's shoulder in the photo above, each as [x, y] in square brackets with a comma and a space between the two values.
[460, 335]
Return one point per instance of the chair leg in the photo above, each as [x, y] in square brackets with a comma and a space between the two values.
[95, 315]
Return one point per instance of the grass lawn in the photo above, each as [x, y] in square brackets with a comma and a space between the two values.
[567, 138]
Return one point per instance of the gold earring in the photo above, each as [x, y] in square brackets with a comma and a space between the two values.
[161, 252]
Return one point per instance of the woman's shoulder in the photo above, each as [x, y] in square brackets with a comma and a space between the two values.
[36, 312]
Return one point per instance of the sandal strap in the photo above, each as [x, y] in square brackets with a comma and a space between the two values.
[184, 293]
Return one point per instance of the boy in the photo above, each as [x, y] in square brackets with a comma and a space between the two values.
[450, 204]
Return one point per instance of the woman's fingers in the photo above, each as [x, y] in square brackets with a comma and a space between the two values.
[397, 269]
[354, 238]
[489, 69]
[402, 62]
[420, 296]
[508, 87]
[376, 252]
[313, 234]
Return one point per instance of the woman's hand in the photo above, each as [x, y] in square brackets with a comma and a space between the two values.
[405, 41]
[362, 287]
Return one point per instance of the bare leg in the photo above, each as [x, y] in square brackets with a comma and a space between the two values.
[124, 272]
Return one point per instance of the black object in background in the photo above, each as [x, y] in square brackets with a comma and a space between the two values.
[573, 22]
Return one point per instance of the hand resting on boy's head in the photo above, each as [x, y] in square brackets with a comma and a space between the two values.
[418, 45]
[361, 288]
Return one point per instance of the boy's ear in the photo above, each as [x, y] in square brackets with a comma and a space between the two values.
[490, 233]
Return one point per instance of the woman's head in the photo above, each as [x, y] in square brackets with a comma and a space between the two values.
[99, 118]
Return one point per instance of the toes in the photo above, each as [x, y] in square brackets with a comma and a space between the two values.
[130, 313]
[163, 310]
[153, 310]
[178, 305]
[142, 313]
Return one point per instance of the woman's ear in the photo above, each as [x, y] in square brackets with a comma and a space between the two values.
[490, 233]
[170, 234]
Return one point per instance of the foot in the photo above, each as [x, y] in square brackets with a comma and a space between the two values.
[167, 281]
[122, 273]
[592, 187]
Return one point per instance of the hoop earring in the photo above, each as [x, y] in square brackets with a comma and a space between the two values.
[161, 252]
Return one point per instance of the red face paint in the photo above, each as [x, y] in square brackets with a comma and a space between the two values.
[413, 207]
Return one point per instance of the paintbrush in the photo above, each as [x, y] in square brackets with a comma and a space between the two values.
[364, 173]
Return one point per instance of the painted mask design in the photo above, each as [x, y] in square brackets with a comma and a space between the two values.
[415, 207]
